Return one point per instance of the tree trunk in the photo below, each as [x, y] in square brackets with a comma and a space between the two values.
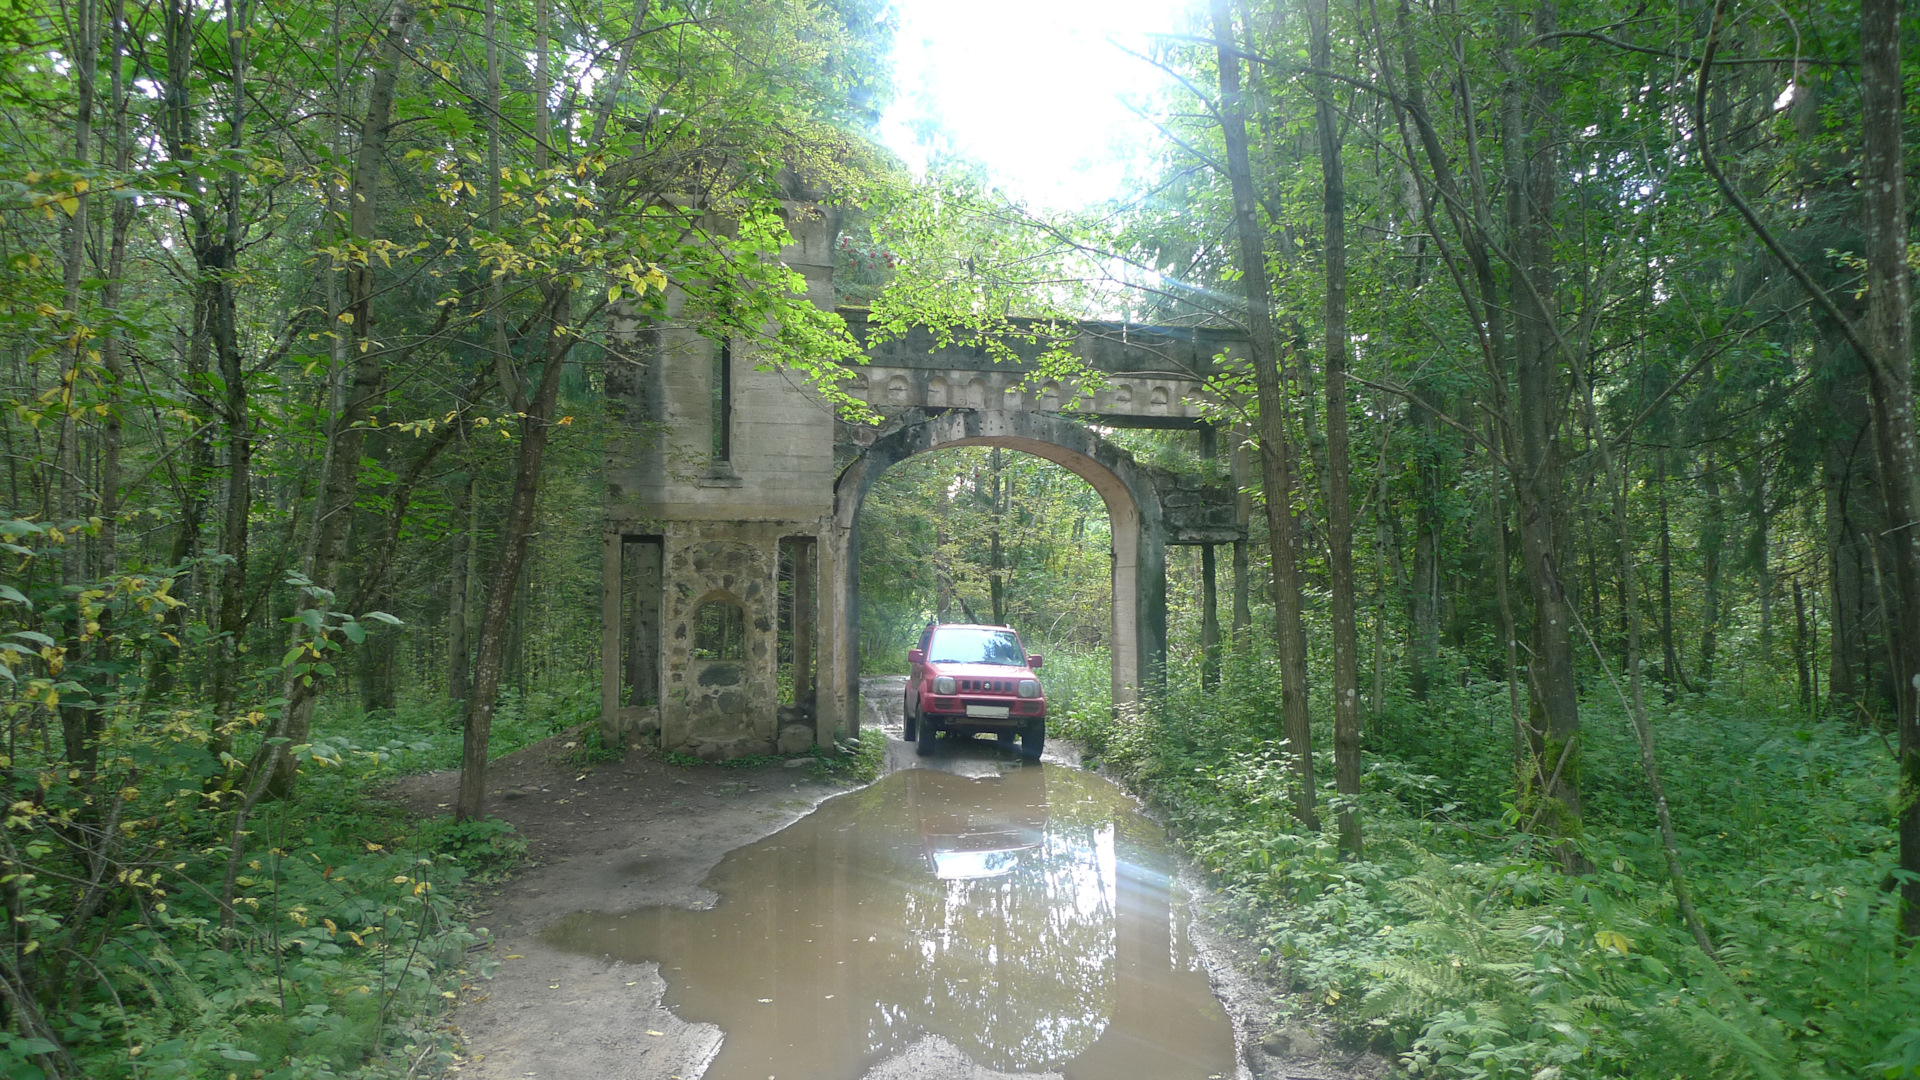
[1670, 672]
[1242, 601]
[1637, 707]
[1759, 552]
[1423, 608]
[234, 415]
[1800, 653]
[111, 356]
[332, 520]
[1890, 337]
[379, 653]
[1885, 346]
[1532, 166]
[1503, 593]
[470, 804]
[1346, 657]
[1713, 535]
[457, 579]
[1276, 466]
[180, 133]
[1844, 577]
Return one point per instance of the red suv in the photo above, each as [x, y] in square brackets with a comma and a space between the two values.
[967, 679]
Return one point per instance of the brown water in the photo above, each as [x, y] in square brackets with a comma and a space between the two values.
[1028, 919]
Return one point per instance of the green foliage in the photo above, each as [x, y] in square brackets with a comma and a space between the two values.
[344, 936]
[423, 733]
[930, 528]
[168, 920]
[1459, 946]
[486, 848]
[861, 763]
[1079, 684]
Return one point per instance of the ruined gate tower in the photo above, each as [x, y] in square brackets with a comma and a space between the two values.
[732, 508]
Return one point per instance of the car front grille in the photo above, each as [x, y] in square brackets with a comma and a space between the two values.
[989, 686]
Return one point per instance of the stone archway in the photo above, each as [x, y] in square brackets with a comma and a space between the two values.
[731, 475]
[1138, 639]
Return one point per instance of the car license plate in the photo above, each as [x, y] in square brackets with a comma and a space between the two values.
[996, 712]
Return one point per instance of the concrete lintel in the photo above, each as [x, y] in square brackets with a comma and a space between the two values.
[1156, 423]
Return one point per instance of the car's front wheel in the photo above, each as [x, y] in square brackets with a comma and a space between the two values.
[906, 710]
[1033, 739]
[923, 745]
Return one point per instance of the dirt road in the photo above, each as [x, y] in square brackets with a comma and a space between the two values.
[637, 834]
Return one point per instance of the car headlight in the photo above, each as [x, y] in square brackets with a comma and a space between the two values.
[943, 685]
[1029, 688]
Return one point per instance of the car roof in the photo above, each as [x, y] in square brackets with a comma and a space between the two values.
[968, 626]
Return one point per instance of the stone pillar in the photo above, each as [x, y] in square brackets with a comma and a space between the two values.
[838, 635]
[1123, 639]
[849, 658]
[610, 636]
[1151, 598]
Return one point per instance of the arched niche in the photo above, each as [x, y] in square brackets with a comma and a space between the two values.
[719, 628]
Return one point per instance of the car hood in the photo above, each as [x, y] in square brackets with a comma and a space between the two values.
[981, 671]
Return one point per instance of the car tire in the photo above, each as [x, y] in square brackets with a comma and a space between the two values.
[923, 745]
[906, 711]
[1005, 738]
[1033, 740]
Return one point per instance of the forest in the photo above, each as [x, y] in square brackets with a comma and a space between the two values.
[1564, 718]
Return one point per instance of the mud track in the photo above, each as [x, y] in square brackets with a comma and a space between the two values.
[638, 833]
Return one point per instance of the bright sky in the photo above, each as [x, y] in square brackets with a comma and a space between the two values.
[1033, 89]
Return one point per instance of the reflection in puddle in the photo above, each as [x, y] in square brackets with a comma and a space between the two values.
[1028, 919]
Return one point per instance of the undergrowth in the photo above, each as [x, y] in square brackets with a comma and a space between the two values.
[1457, 947]
[424, 733]
[166, 917]
[1079, 685]
[345, 938]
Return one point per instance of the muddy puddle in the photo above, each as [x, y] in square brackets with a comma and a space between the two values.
[1026, 919]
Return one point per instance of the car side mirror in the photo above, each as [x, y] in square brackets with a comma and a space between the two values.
[916, 656]
[1034, 661]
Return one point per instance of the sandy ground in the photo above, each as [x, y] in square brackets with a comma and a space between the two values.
[637, 833]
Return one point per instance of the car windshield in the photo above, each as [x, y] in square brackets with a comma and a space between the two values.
[960, 645]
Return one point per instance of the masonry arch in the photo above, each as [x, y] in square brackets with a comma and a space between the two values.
[1138, 636]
